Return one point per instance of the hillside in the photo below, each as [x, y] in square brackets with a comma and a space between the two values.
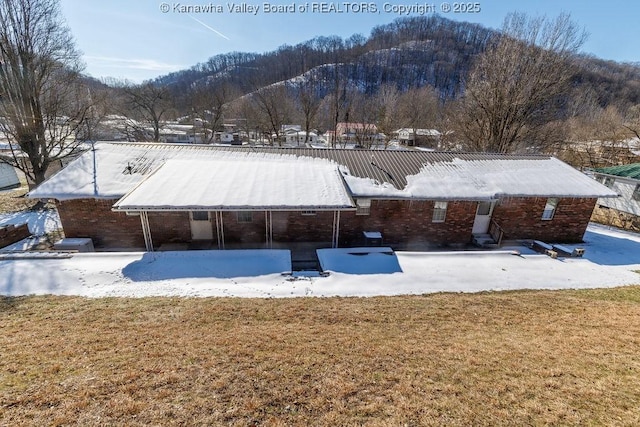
[409, 52]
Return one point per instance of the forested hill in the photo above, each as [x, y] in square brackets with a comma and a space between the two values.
[406, 52]
[409, 52]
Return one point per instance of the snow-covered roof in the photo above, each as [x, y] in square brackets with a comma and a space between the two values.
[112, 170]
[419, 132]
[222, 184]
[488, 179]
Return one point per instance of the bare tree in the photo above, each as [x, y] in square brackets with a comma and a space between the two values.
[42, 98]
[516, 86]
[149, 105]
[209, 103]
[363, 113]
[274, 105]
[420, 109]
[388, 116]
[308, 103]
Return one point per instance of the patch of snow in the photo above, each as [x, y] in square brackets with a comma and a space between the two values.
[611, 259]
[487, 179]
[39, 222]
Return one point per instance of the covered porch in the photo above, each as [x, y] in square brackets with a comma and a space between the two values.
[269, 204]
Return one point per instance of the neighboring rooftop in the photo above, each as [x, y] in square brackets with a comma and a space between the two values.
[627, 171]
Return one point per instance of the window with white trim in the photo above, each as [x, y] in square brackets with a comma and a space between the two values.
[363, 206]
[308, 213]
[550, 209]
[439, 211]
[636, 193]
[245, 216]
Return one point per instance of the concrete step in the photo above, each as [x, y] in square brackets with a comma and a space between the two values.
[484, 241]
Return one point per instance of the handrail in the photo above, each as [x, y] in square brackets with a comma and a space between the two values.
[496, 232]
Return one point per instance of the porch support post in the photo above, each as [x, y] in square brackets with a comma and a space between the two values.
[268, 223]
[146, 231]
[220, 229]
[336, 229]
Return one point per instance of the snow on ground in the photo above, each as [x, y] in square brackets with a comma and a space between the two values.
[39, 222]
[611, 259]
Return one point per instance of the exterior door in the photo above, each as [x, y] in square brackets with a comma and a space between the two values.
[483, 217]
[201, 228]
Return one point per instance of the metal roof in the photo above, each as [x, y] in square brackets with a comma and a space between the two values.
[627, 171]
[392, 166]
[112, 169]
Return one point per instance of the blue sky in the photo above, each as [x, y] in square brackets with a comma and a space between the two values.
[138, 40]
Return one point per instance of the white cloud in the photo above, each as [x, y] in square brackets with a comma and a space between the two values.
[127, 63]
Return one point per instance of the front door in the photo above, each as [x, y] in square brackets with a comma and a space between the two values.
[201, 228]
[483, 217]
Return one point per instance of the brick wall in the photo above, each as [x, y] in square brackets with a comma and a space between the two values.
[93, 218]
[286, 227]
[521, 218]
[169, 227]
[407, 224]
[403, 224]
[251, 233]
[10, 234]
[296, 227]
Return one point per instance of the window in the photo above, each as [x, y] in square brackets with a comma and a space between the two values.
[200, 216]
[550, 209]
[363, 206]
[608, 181]
[308, 213]
[439, 212]
[636, 193]
[245, 216]
[484, 208]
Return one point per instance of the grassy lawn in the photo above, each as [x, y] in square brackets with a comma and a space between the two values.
[512, 358]
[15, 200]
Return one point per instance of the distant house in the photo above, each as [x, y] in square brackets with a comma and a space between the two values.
[592, 154]
[418, 137]
[8, 177]
[623, 211]
[143, 195]
[300, 137]
[359, 134]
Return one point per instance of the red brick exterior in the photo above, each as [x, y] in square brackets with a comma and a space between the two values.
[404, 224]
[168, 227]
[407, 224]
[93, 218]
[521, 218]
[10, 234]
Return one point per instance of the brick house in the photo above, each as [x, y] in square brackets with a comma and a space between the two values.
[623, 211]
[147, 195]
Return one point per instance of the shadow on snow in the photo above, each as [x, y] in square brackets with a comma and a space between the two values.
[611, 247]
[214, 264]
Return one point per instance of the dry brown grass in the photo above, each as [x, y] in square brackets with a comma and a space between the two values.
[15, 200]
[515, 358]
